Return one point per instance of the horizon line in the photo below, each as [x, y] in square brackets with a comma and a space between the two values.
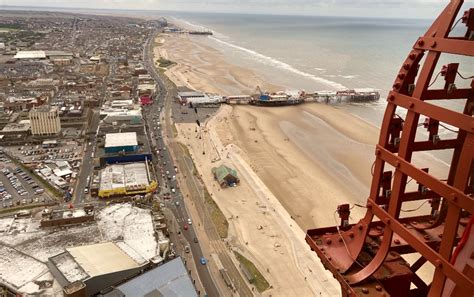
[21, 7]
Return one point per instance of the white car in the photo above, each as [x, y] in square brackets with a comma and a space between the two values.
[190, 222]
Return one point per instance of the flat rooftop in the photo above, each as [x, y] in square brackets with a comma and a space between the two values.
[123, 175]
[121, 139]
[102, 258]
[169, 279]
[30, 55]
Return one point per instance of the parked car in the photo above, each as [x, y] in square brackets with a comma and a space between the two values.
[203, 261]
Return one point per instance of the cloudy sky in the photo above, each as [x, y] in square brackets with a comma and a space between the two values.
[370, 8]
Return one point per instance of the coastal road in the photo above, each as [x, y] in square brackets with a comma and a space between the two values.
[165, 163]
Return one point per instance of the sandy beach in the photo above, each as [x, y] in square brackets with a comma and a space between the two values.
[299, 161]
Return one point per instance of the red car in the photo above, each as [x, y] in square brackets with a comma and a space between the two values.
[185, 227]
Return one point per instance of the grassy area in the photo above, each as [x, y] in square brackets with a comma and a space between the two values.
[164, 63]
[175, 131]
[257, 278]
[217, 216]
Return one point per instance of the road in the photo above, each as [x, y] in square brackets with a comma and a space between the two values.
[88, 158]
[164, 162]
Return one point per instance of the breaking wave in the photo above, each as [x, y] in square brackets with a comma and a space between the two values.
[282, 65]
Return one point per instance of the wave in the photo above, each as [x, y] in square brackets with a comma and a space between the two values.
[218, 37]
[279, 64]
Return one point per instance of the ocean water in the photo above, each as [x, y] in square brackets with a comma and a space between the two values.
[316, 53]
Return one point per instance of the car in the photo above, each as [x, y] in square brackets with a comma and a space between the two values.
[173, 190]
[190, 222]
[203, 261]
[195, 240]
[177, 203]
[185, 227]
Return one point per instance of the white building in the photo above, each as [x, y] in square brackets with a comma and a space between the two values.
[45, 121]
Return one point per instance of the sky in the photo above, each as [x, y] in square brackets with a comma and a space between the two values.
[366, 8]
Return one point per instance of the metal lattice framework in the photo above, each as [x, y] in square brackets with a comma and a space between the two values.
[366, 257]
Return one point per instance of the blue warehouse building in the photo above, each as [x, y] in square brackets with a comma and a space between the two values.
[121, 142]
[124, 147]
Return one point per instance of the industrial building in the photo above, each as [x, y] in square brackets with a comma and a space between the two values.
[86, 270]
[125, 179]
[45, 120]
[128, 145]
[121, 142]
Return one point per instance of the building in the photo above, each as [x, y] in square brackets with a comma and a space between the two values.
[226, 176]
[121, 142]
[125, 179]
[88, 269]
[45, 121]
[22, 55]
[168, 280]
[62, 217]
[129, 117]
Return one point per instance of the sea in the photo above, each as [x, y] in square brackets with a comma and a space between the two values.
[315, 53]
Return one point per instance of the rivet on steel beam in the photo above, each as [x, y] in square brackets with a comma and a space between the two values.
[387, 221]
[340, 239]
[396, 241]
[406, 66]
[472, 255]
[412, 104]
[401, 75]
[328, 241]
[365, 290]
[396, 85]
[412, 56]
[351, 234]
[427, 237]
[421, 42]
[440, 235]
[377, 152]
[397, 164]
[391, 97]
[360, 227]
[369, 205]
[455, 197]
[329, 258]
[378, 287]
[438, 263]
[321, 249]
[433, 45]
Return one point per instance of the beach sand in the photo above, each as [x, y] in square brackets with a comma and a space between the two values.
[203, 68]
[310, 158]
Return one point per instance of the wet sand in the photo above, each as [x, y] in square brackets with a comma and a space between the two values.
[311, 157]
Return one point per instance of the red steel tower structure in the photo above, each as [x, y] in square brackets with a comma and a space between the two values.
[366, 257]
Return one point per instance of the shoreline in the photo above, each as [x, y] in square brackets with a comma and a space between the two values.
[310, 158]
